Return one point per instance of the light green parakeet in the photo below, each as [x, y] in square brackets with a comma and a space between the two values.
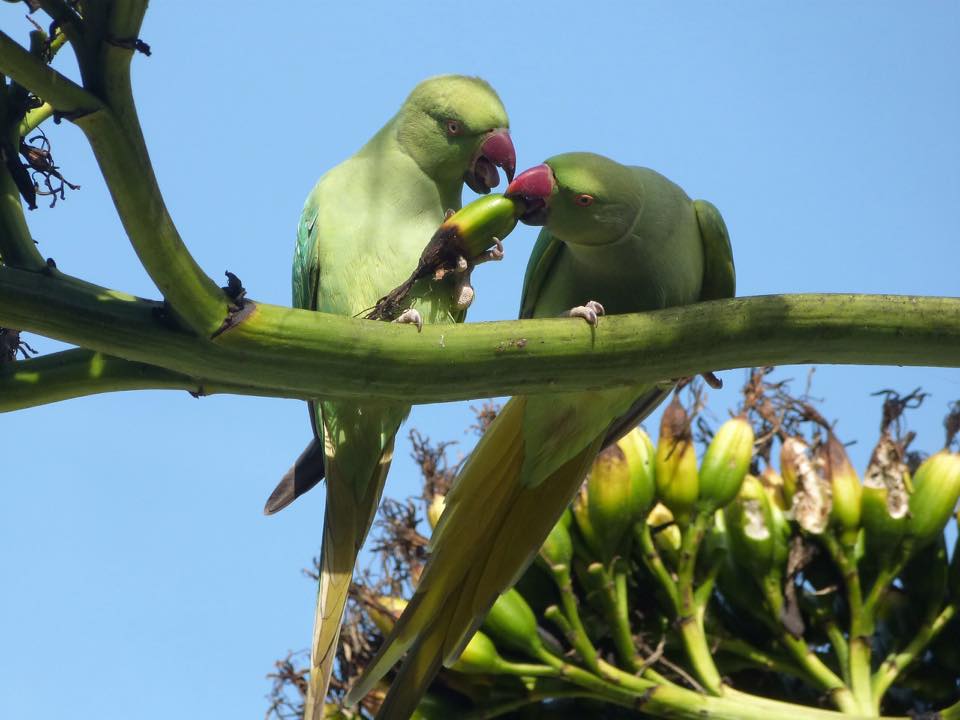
[625, 237]
[361, 233]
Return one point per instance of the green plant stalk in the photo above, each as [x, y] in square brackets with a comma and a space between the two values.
[951, 713]
[861, 622]
[29, 71]
[78, 373]
[570, 612]
[824, 678]
[503, 708]
[321, 355]
[760, 658]
[654, 563]
[840, 648]
[34, 118]
[17, 248]
[618, 623]
[896, 662]
[689, 613]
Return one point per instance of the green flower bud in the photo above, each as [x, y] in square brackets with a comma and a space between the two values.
[513, 625]
[619, 491]
[581, 514]
[676, 463]
[479, 656]
[725, 463]
[845, 488]
[936, 489]
[384, 611]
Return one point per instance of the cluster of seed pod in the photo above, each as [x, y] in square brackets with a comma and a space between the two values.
[705, 575]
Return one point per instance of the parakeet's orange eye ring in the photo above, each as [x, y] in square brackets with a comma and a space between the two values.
[453, 127]
[584, 200]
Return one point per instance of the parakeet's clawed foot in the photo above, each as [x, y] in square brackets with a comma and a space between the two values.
[591, 311]
[494, 254]
[412, 317]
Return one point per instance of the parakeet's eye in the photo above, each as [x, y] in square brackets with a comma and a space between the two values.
[454, 127]
[584, 200]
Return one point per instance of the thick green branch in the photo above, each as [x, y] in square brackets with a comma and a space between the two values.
[32, 73]
[316, 354]
[78, 373]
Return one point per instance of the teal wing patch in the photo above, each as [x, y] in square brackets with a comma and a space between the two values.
[544, 254]
[719, 275]
[306, 266]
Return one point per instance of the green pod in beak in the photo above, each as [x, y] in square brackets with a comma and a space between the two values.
[725, 463]
[476, 227]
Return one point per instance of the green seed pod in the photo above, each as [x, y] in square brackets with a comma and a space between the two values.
[845, 488]
[676, 463]
[666, 536]
[773, 483]
[479, 656]
[750, 530]
[619, 491]
[590, 547]
[513, 625]
[557, 550]
[475, 225]
[885, 500]
[725, 463]
[811, 494]
[936, 488]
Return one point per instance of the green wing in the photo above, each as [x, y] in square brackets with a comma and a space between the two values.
[544, 254]
[306, 265]
[719, 275]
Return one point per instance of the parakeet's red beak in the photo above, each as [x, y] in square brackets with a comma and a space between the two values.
[495, 151]
[534, 187]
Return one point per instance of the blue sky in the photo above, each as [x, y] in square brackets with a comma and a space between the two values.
[140, 578]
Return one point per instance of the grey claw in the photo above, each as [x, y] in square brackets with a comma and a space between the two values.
[448, 213]
[462, 264]
[412, 317]
[590, 311]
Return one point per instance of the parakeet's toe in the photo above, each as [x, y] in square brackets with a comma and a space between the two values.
[590, 311]
[412, 317]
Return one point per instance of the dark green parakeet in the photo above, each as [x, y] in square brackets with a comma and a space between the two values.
[624, 237]
[361, 233]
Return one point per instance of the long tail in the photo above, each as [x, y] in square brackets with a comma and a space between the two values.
[491, 528]
[307, 471]
[347, 520]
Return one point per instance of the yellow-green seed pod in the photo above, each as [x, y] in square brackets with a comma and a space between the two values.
[619, 491]
[557, 550]
[936, 489]
[384, 611]
[666, 536]
[884, 503]
[513, 625]
[676, 463]
[844, 486]
[750, 529]
[812, 494]
[479, 656]
[580, 509]
[475, 225]
[773, 483]
[435, 510]
[725, 463]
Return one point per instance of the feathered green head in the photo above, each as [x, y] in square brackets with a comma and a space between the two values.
[456, 129]
[581, 198]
